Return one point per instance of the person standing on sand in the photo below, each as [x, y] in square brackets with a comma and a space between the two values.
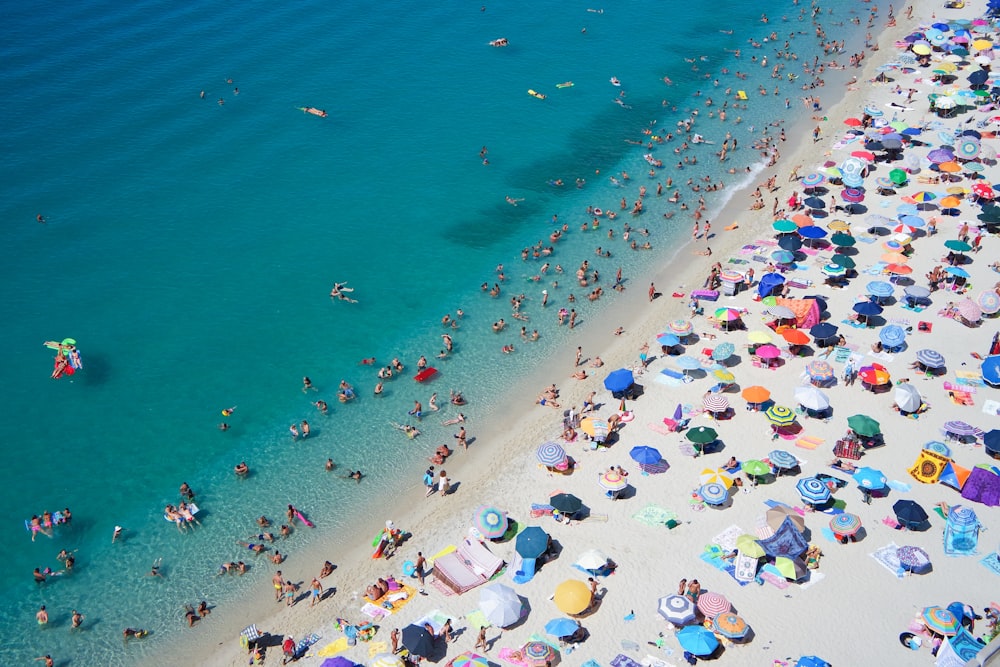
[418, 568]
[461, 437]
[316, 589]
[652, 292]
[481, 640]
[579, 355]
[279, 584]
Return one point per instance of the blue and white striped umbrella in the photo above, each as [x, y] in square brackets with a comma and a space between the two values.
[880, 288]
[931, 358]
[813, 490]
[892, 335]
[782, 459]
[551, 454]
[713, 493]
[937, 447]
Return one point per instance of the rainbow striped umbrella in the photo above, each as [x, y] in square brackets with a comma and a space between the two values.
[490, 521]
[812, 179]
[779, 415]
[538, 653]
[470, 659]
[612, 481]
[940, 620]
[682, 327]
[727, 314]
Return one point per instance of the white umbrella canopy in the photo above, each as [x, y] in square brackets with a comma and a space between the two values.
[500, 605]
[594, 559]
[811, 398]
[907, 397]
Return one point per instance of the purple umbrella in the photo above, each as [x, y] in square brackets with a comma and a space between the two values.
[940, 155]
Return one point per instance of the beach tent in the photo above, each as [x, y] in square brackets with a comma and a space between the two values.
[786, 541]
[982, 486]
[954, 475]
[961, 532]
[807, 311]
[928, 467]
[768, 283]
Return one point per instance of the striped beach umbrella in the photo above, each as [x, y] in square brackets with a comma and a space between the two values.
[713, 494]
[892, 336]
[779, 415]
[538, 653]
[676, 609]
[715, 403]
[711, 604]
[845, 524]
[612, 480]
[490, 521]
[716, 475]
[833, 269]
[779, 312]
[779, 458]
[550, 454]
[812, 179]
[969, 310]
[940, 620]
[813, 490]
[988, 302]
[730, 626]
[931, 358]
[723, 375]
[880, 288]
[470, 659]
[960, 428]
[681, 327]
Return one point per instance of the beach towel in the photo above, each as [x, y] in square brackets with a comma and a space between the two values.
[727, 538]
[771, 575]
[305, 643]
[749, 249]
[332, 648]
[809, 442]
[658, 428]
[971, 378]
[651, 515]
[622, 660]
[374, 648]
[992, 562]
[513, 657]
[887, 558]
[961, 397]
[591, 663]
[538, 510]
[374, 612]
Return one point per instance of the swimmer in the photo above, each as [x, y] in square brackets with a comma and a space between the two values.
[40, 218]
[228, 411]
[321, 406]
[460, 419]
[330, 465]
[356, 475]
[154, 570]
[241, 469]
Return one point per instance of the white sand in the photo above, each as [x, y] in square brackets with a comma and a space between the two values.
[852, 615]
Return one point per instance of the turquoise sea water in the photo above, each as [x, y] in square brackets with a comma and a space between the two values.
[190, 246]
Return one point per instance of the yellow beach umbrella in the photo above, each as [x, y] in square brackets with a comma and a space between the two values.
[921, 49]
[717, 476]
[572, 596]
[946, 67]
[979, 45]
[723, 375]
[957, 190]
[747, 545]
[838, 226]
[759, 337]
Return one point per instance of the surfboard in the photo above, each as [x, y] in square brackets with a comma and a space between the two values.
[536, 94]
[425, 374]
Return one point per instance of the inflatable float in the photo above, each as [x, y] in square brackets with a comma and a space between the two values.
[565, 84]
[536, 94]
[615, 81]
[425, 374]
[741, 94]
[314, 111]
[301, 517]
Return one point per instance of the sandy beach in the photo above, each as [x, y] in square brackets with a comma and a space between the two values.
[853, 607]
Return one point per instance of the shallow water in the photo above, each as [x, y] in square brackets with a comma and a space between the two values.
[190, 247]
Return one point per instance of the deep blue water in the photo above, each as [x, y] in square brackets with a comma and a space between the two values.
[190, 246]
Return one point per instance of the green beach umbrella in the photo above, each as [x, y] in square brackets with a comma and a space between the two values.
[755, 468]
[864, 425]
[702, 435]
[843, 240]
[957, 246]
[747, 545]
[897, 176]
[843, 261]
[784, 226]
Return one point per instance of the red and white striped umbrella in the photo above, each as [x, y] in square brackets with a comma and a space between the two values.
[711, 604]
[715, 403]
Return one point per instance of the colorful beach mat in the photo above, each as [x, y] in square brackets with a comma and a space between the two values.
[887, 558]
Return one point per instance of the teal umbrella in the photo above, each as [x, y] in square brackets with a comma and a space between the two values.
[842, 240]
[843, 261]
[784, 226]
[864, 425]
[957, 246]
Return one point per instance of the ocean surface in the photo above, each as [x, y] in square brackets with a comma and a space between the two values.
[189, 248]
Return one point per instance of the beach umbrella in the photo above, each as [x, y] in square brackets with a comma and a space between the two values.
[867, 156]
[768, 352]
[874, 375]
[716, 475]
[779, 458]
[842, 240]
[561, 627]
[811, 398]
[864, 426]
[500, 605]
[802, 220]
[676, 609]
[892, 336]
[759, 337]
[595, 428]
[668, 339]
[838, 226]
[913, 558]
[748, 546]
[898, 269]
[723, 351]
[531, 542]
[727, 314]
[880, 288]
[782, 256]
[960, 428]
[777, 515]
[819, 369]
[845, 524]
[813, 490]
[814, 202]
[697, 639]
[612, 481]
[756, 394]
[907, 398]
[904, 229]
[790, 243]
[969, 310]
[469, 659]
[898, 176]
[538, 654]
[851, 196]
[937, 447]
[702, 435]
[853, 122]
[867, 308]
[715, 403]
[386, 660]
[714, 493]
[730, 625]
[680, 327]
[550, 454]
[983, 191]
[940, 620]
[869, 478]
[823, 330]
[418, 641]
[957, 272]
[711, 604]
[795, 336]
[687, 362]
[572, 596]
[988, 302]
[755, 468]
[790, 568]
[912, 220]
[939, 155]
[811, 661]
[812, 232]
[916, 291]
[957, 246]
[619, 380]
[909, 512]
[644, 455]
[843, 261]
[779, 415]
[812, 179]
[490, 521]
[930, 358]
[723, 375]
[566, 503]
[990, 368]
[968, 148]
[341, 661]
[779, 312]
[731, 276]
[784, 226]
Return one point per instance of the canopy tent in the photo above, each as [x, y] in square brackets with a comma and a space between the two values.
[954, 475]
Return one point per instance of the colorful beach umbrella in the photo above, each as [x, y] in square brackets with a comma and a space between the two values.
[681, 327]
[470, 659]
[940, 620]
[713, 494]
[676, 609]
[538, 654]
[612, 481]
[723, 375]
[845, 524]
[716, 475]
[386, 660]
[490, 521]
[715, 403]
[779, 415]
[756, 394]
[819, 369]
[779, 458]
[768, 352]
[960, 428]
[550, 454]
[969, 310]
[730, 626]
[931, 358]
[834, 269]
[812, 179]
[813, 490]
[988, 302]
[711, 604]
[727, 314]
[782, 257]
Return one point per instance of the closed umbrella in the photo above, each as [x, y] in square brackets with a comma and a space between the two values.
[490, 521]
[779, 415]
[730, 625]
[698, 640]
[907, 398]
[931, 358]
[864, 426]
[550, 454]
[532, 542]
[779, 458]
[892, 336]
[813, 490]
[676, 609]
[812, 398]
[500, 605]
[869, 478]
[711, 604]
[572, 596]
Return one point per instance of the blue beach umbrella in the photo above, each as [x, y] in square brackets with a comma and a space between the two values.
[931, 358]
[688, 363]
[813, 490]
[957, 272]
[937, 447]
[867, 308]
[812, 232]
[833, 269]
[912, 220]
[892, 336]
[644, 455]
[990, 369]
[560, 627]
[814, 202]
[713, 493]
[551, 454]
[880, 288]
[790, 242]
[532, 542]
[723, 351]
[668, 339]
[619, 380]
[869, 478]
[823, 330]
[697, 639]
[779, 458]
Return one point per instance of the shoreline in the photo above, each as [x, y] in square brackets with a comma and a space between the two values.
[683, 269]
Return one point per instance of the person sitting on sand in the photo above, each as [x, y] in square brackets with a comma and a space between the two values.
[542, 400]
[440, 454]
[580, 374]
[327, 570]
